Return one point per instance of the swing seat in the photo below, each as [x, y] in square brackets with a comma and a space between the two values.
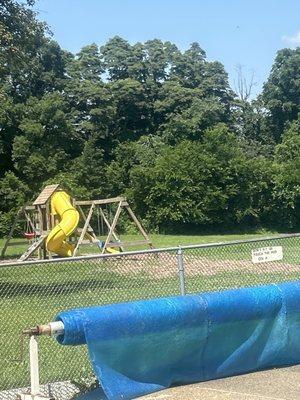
[29, 235]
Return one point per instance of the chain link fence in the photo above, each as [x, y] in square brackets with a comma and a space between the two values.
[34, 292]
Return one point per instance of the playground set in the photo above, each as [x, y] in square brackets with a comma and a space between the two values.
[55, 224]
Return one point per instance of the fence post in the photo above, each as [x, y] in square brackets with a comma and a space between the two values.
[181, 272]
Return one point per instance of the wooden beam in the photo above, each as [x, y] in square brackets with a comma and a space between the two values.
[88, 242]
[32, 248]
[48, 217]
[133, 243]
[84, 229]
[89, 228]
[28, 219]
[113, 225]
[3, 251]
[98, 202]
[138, 224]
[114, 244]
[19, 243]
[41, 252]
[29, 208]
[109, 227]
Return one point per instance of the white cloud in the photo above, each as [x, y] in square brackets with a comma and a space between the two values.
[292, 40]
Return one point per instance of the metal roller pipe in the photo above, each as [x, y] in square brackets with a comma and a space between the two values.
[51, 329]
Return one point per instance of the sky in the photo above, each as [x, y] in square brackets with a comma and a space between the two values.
[235, 32]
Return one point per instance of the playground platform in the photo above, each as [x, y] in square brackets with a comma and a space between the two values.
[275, 384]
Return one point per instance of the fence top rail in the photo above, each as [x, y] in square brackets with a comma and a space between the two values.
[148, 251]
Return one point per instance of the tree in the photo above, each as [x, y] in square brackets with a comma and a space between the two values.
[20, 33]
[117, 55]
[10, 116]
[204, 183]
[87, 65]
[13, 195]
[91, 110]
[287, 177]
[132, 109]
[46, 142]
[244, 85]
[127, 155]
[30, 62]
[90, 168]
[281, 91]
[155, 60]
[189, 67]
[191, 123]
[159, 125]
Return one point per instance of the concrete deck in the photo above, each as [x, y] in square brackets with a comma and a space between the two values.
[276, 384]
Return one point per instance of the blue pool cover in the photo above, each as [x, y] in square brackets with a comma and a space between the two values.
[140, 347]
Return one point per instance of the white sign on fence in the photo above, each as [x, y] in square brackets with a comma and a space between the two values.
[267, 254]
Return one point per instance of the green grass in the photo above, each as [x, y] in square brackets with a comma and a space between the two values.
[35, 294]
[185, 240]
[159, 241]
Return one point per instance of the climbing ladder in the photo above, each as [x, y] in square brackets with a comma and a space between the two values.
[31, 249]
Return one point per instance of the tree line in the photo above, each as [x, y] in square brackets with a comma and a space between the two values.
[146, 120]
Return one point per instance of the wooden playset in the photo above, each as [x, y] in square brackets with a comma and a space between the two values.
[55, 224]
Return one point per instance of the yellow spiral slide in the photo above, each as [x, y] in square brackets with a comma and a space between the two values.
[62, 207]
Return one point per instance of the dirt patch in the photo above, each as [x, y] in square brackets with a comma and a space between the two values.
[165, 265]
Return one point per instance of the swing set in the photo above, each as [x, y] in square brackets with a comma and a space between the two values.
[98, 220]
[107, 213]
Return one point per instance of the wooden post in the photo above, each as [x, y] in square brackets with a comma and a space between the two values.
[28, 219]
[31, 249]
[92, 233]
[113, 226]
[138, 224]
[41, 253]
[48, 217]
[97, 202]
[11, 231]
[109, 227]
[84, 229]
